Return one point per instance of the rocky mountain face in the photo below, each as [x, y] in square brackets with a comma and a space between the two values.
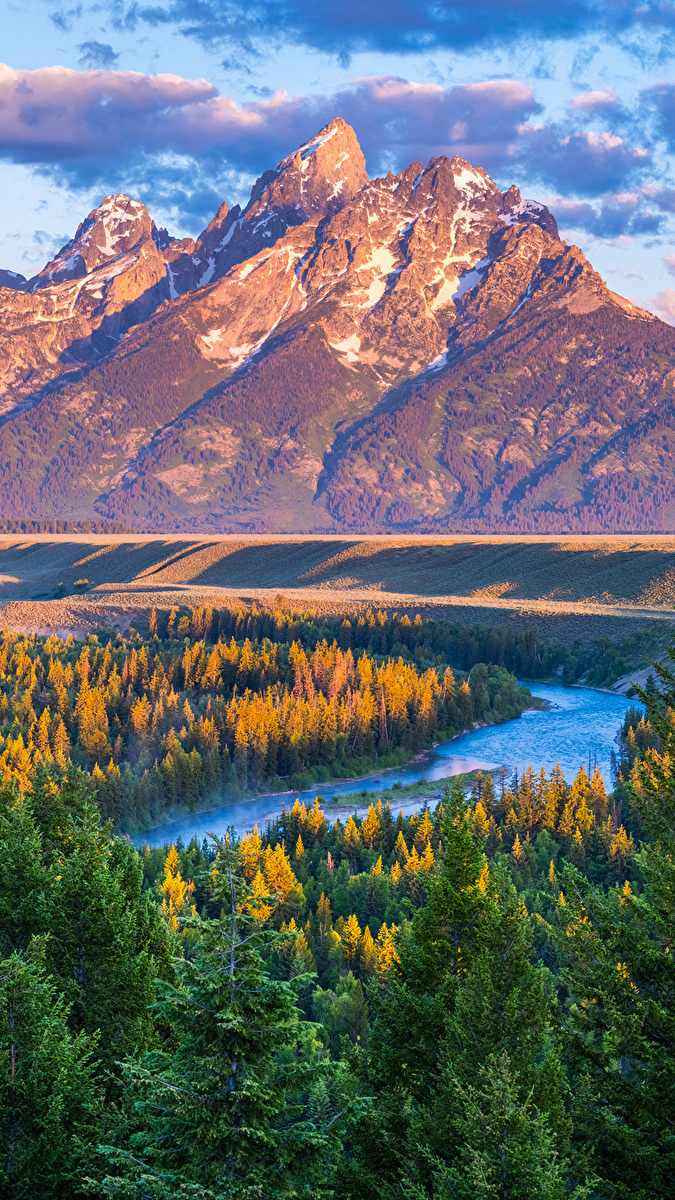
[110, 276]
[420, 352]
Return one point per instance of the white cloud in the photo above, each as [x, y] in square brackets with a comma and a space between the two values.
[663, 304]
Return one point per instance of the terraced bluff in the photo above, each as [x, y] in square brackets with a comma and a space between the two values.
[418, 353]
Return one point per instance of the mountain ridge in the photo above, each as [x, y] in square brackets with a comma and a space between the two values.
[415, 352]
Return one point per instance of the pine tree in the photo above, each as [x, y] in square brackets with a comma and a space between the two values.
[228, 1112]
[23, 876]
[411, 998]
[107, 941]
[616, 950]
[465, 997]
[48, 1095]
[504, 1146]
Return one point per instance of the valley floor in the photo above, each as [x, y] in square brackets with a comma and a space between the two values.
[573, 587]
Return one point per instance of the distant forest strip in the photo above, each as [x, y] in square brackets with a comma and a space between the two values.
[14, 525]
[209, 706]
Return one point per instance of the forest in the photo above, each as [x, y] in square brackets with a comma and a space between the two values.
[214, 705]
[474, 1000]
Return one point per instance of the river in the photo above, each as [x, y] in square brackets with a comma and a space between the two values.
[579, 726]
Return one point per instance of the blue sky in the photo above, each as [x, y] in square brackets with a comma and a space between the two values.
[182, 103]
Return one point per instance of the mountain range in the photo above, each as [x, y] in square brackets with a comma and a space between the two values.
[419, 352]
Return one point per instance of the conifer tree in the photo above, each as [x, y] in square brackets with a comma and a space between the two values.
[495, 1118]
[48, 1094]
[464, 996]
[23, 876]
[228, 1113]
[617, 952]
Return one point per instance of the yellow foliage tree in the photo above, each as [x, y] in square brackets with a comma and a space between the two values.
[352, 837]
[368, 952]
[175, 891]
[251, 851]
[351, 937]
[517, 853]
[385, 946]
[424, 830]
[260, 904]
[401, 850]
[371, 829]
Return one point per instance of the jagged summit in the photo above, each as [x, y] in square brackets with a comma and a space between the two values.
[317, 179]
[321, 176]
[118, 225]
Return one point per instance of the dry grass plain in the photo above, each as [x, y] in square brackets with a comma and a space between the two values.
[573, 587]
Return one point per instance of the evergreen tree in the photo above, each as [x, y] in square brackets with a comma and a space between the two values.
[48, 1095]
[616, 949]
[108, 942]
[411, 1001]
[494, 1123]
[23, 876]
[231, 1111]
[465, 997]
[504, 1146]
[65, 877]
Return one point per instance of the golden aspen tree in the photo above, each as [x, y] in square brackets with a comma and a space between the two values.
[251, 852]
[400, 849]
[371, 830]
[385, 946]
[368, 953]
[351, 937]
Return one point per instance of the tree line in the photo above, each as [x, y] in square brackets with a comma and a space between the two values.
[194, 715]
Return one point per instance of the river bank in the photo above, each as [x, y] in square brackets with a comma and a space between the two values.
[579, 725]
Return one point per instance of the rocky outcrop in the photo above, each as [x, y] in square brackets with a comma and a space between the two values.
[109, 277]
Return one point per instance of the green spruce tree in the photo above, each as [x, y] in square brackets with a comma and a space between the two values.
[618, 964]
[238, 1107]
[48, 1095]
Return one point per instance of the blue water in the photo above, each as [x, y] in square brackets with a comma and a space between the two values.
[580, 726]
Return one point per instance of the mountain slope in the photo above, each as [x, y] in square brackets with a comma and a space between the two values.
[415, 352]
